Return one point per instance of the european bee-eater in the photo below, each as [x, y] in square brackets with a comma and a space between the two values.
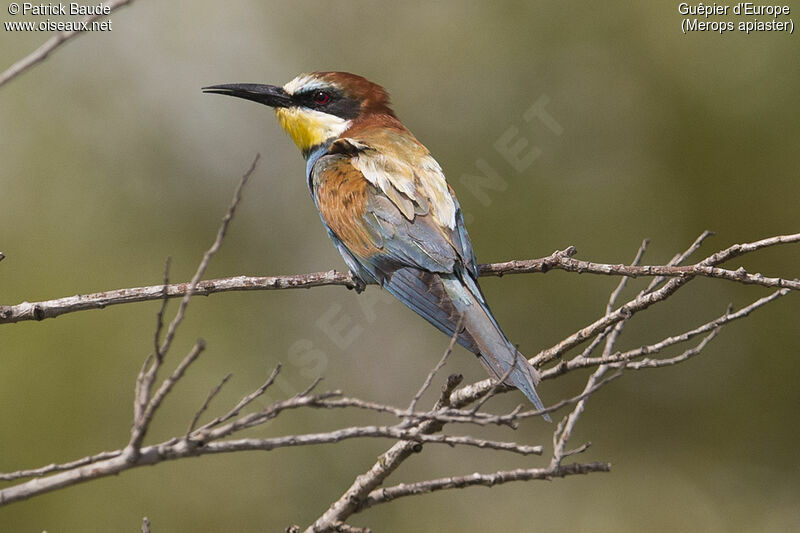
[387, 207]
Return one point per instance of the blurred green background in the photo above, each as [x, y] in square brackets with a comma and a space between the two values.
[113, 160]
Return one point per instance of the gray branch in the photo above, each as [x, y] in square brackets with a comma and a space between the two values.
[414, 426]
[559, 260]
[57, 40]
[487, 480]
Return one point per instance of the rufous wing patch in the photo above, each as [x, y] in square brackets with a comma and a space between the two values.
[342, 194]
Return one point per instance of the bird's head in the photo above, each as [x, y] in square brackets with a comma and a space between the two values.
[315, 108]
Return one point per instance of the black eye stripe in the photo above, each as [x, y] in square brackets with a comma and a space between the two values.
[336, 104]
[310, 96]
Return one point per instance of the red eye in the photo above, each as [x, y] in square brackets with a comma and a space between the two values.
[321, 97]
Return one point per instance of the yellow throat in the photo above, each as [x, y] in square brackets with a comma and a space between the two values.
[309, 128]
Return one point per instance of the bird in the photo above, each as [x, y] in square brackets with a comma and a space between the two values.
[389, 210]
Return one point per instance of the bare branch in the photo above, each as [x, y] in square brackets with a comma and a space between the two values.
[58, 39]
[203, 266]
[54, 308]
[145, 406]
[603, 327]
[447, 415]
[646, 300]
[623, 282]
[242, 403]
[498, 384]
[147, 374]
[564, 429]
[387, 463]
[341, 527]
[140, 425]
[439, 365]
[599, 326]
[563, 260]
[113, 463]
[415, 427]
[487, 480]
[687, 354]
[311, 387]
[459, 416]
[678, 259]
[364, 490]
[563, 432]
[207, 402]
[49, 469]
[669, 341]
[357, 432]
[161, 311]
[141, 392]
[588, 391]
[558, 260]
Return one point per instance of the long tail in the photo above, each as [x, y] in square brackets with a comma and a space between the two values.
[496, 352]
[443, 300]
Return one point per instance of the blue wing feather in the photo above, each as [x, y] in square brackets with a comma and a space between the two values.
[432, 269]
[424, 293]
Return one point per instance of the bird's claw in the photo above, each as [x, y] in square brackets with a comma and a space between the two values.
[357, 284]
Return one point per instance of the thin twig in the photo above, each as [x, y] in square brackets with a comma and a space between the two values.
[415, 428]
[646, 300]
[678, 259]
[244, 402]
[113, 463]
[388, 494]
[623, 282]
[341, 527]
[140, 397]
[672, 340]
[447, 415]
[360, 432]
[311, 387]
[564, 430]
[427, 383]
[657, 363]
[149, 370]
[569, 401]
[58, 39]
[146, 405]
[140, 426]
[611, 333]
[207, 402]
[203, 266]
[49, 469]
[161, 311]
[387, 463]
[206, 433]
[499, 383]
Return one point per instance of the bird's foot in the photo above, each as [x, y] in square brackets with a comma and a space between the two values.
[357, 284]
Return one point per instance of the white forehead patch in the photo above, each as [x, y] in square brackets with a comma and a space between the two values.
[304, 82]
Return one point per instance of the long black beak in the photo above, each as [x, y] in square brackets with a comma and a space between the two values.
[264, 94]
